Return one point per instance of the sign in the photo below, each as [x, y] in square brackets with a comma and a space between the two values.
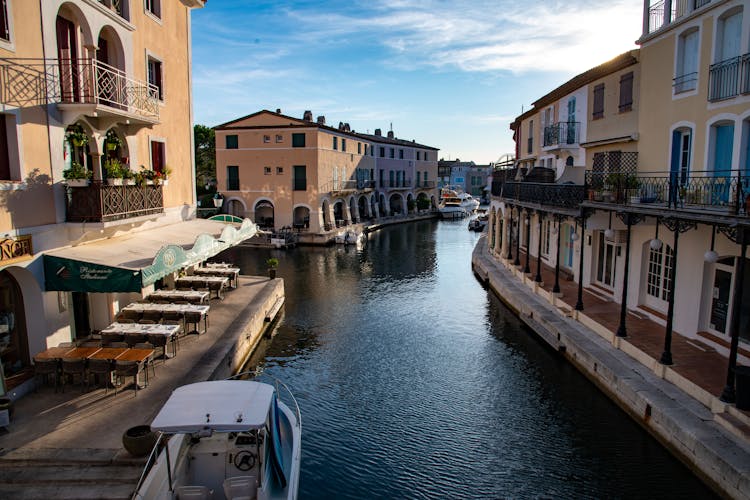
[15, 249]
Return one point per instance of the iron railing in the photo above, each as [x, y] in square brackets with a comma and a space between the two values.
[678, 8]
[100, 202]
[562, 133]
[725, 190]
[31, 82]
[685, 82]
[399, 184]
[544, 193]
[724, 79]
[425, 184]
[337, 186]
[365, 184]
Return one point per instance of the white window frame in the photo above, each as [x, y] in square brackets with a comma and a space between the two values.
[9, 44]
[679, 60]
[151, 56]
[158, 18]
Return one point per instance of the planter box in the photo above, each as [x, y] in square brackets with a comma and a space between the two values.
[77, 182]
[115, 182]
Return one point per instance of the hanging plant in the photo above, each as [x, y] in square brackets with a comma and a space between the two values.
[112, 140]
[76, 136]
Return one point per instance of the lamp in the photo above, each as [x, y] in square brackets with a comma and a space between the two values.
[656, 242]
[608, 233]
[218, 200]
[711, 257]
[574, 236]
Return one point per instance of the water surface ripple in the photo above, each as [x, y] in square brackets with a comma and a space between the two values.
[415, 382]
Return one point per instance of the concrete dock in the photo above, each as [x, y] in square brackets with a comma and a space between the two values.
[69, 445]
[675, 404]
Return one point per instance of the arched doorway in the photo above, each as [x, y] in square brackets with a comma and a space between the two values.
[355, 214]
[383, 207]
[327, 224]
[362, 208]
[301, 218]
[264, 214]
[338, 213]
[110, 66]
[14, 343]
[235, 207]
[411, 204]
[423, 202]
[77, 151]
[396, 205]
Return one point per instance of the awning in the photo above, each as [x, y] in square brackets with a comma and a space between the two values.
[133, 261]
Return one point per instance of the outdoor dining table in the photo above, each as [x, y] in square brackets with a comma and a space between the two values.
[108, 353]
[233, 273]
[203, 281]
[81, 352]
[155, 329]
[139, 356]
[53, 353]
[179, 295]
[181, 308]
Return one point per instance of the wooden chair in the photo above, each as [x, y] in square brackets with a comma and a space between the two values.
[129, 314]
[154, 316]
[217, 287]
[44, 368]
[127, 369]
[149, 363]
[119, 345]
[101, 369]
[160, 342]
[193, 318]
[134, 338]
[147, 322]
[71, 368]
[125, 321]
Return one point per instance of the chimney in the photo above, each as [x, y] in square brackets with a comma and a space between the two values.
[378, 132]
[321, 120]
[341, 125]
[347, 128]
[278, 111]
[390, 134]
[307, 116]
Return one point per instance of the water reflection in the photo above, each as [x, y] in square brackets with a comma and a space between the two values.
[414, 382]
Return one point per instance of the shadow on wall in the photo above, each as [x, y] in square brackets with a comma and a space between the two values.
[26, 203]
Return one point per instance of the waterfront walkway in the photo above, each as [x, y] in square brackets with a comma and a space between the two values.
[69, 445]
[679, 404]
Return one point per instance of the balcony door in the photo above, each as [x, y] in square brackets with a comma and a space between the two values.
[722, 293]
[728, 43]
[67, 55]
[606, 260]
[571, 132]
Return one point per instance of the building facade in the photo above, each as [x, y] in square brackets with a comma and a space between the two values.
[659, 222]
[282, 171]
[93, 92]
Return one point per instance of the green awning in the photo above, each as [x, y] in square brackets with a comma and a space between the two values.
[136, 260]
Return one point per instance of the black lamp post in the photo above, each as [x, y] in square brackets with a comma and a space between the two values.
[538, 277]
[527, 269]
[739, 235]
[517, 261]
[579, 302]
[629, 219]
[556, 288]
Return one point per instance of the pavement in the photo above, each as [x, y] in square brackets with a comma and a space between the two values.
[69, 444]
[678, 404]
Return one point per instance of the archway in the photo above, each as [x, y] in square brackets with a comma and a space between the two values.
[72, 52]
[110, 65]
[264, 214]
[235, 207]
[396, 204]
[327, 223]
[423, 202]
[411, 204]
[354, 213]
[301, 218]
[362, 208]
[383, 207]
[338, 213]
[14, 342]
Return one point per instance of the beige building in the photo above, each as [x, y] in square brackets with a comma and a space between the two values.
[660, 222]
[92, 91]
[282, 171]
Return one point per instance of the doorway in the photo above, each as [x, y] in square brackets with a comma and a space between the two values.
[606, 260]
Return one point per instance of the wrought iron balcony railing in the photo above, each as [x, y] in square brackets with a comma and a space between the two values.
[542, 193]
[562, 134]
[338, 186]
[729, 78]
[685, 83]
[658, 17]
[721, 190]
[425, 184]
[32, 82]
[399, 184]
[365, 184]
[100, 202]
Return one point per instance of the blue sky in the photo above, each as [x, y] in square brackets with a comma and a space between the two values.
[448, 74]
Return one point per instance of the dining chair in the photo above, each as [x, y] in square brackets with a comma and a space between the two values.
[127, 369]
[134, 338]
[147, 322]
[71, 368]
[101, 369]
[193, 318]
[109, 337]
[149, 363]
[118, 345]
[217, 286]
[160, 342]
[43, 368]
[155, 316]
[125, 321]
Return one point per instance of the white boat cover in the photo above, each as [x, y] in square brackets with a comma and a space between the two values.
[221, 406]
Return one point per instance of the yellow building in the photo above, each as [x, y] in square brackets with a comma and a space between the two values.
[289, 172]
[94, 93]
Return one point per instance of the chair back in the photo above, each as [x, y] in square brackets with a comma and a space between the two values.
[121, 345]
[171, 315]
[126, 368]
[154, 316]
[143, 345]
[100, 366]
[109, 337]
[134, 338]
[73, 365]
[45, 366]
[157, 340]
[125, 321]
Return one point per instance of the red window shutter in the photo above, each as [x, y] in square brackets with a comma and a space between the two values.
[157, 156]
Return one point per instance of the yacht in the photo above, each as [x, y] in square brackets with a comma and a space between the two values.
[455, 203]
[232, 439]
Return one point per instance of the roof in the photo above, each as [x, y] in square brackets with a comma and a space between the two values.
[298, 123]
[620, 62]
[219, 405]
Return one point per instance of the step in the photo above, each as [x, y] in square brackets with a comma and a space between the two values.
[68, 474]
[91, 491]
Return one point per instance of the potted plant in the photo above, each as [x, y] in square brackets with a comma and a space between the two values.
[165, 173]
[139, 440]
[77, 175]
[127, 175]
[139, 179]
[632, 187]
[77, 136]
[147, 174]
[112, 140]
[272, 264]
[114, 171]
[158, 178]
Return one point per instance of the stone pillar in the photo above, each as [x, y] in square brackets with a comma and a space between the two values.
[506, 228]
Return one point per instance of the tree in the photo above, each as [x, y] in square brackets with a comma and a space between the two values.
[205, 157]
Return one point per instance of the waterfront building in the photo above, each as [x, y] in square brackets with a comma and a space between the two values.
[467, 175]
[93, 92]
[658, 222]
[282, 171]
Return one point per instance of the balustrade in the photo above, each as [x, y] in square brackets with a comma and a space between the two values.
[100, 202]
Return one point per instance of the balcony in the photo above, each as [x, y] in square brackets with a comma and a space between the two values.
[365, 185]
[394, 185]
[665, 12]
[725, 192]
[425, 185]
[542, 193]
[100, 202]
[119, 7]
[685, 83]
[340, 186]
[78, 86]
[729, 78]
[562, 135]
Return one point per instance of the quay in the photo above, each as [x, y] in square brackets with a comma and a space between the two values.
[676, 404]
[67, 445]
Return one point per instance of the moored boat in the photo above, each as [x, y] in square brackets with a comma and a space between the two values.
[224, 439]
[455, 203]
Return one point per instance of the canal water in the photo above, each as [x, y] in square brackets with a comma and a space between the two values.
[415, 382]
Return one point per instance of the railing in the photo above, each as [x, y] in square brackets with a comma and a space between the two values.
[100, 202]
[336, 186]
[685, 82]
[677, 9]
[403, 183]
[544, 193]
[365, 184]
[31, 82]
[116, 6]
[562, 133]
[724, 79]
[425, 184]
[727, 190]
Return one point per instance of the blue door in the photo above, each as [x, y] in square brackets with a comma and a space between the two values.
[722, 162]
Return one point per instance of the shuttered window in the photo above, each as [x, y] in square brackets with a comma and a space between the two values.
[298, 140]
[626, 92]
[4, 27]
[232, 142]
[598, 102]
[300, 178]
[157, 156]
[233, 178]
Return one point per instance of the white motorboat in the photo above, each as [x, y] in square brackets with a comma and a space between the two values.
[350, 237]
[232, 439]
[455, 203]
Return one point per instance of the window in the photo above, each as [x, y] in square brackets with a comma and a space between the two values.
[300, 178]
[232, 142]
[335, 143]
[598, 102]
[266, 170]
[724, 74]
[158, 156]
[298, 140]
[266, 138]
[5, 174]
[343, 144]
[392, 153]
[687, 62]
[156, 76]
[659, 268]
[419, 155]
[4, 21]
[279, 170]
[626, 92]
[418, 177]
[530, 140]
[400, 154]
[680, 161]
[424, 156]
[279, 138]
[720, 148]
[153, 7]
[233, 178]
[546, 230]
[382, 152]
[359, 148]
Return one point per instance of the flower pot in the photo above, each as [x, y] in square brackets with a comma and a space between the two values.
[139, 440]
[111, 147]
[272, 273]
[115, 182]
[77, 182]
[165, 182]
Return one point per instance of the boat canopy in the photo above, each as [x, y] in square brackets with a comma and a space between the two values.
[221, 406]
